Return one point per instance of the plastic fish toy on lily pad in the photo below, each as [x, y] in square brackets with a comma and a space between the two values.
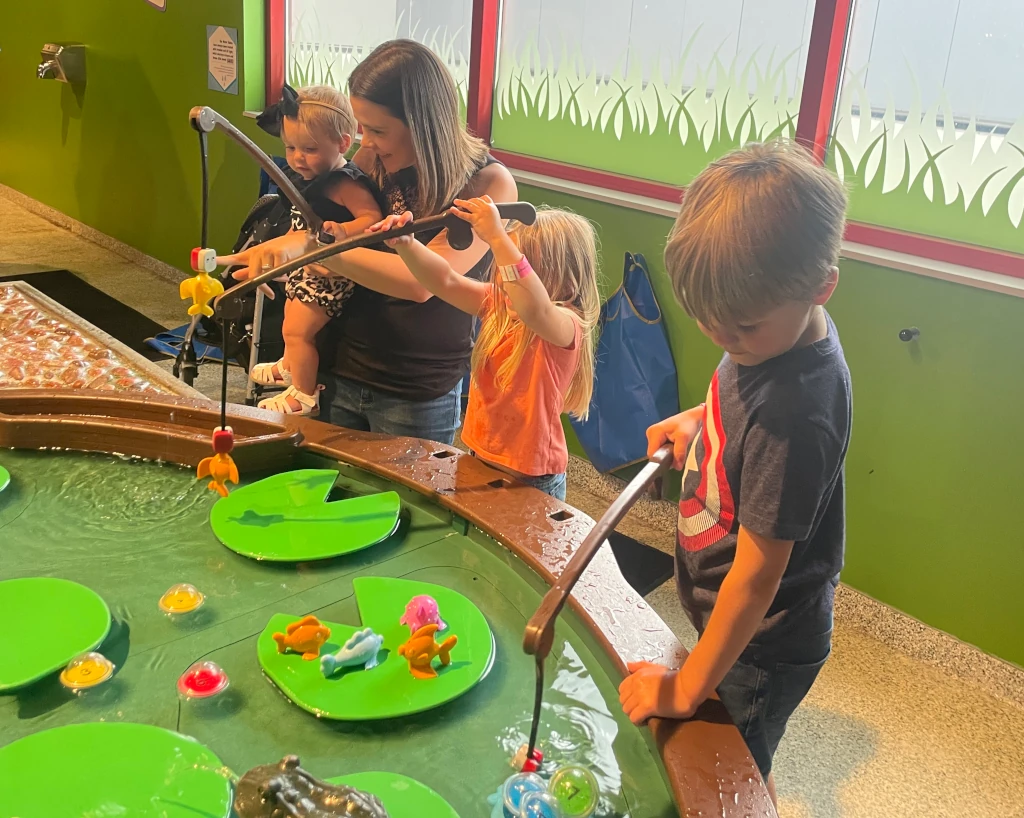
[361, 648]
[306, 636]
[421, 649]
[422, 610]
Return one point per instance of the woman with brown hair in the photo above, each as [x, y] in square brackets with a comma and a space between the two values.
[396, 359]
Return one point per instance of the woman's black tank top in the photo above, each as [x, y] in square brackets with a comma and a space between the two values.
[414, 351]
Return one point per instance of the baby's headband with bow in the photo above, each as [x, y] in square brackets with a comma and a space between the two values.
[288, 106]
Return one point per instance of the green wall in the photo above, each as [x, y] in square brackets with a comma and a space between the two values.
[934, 470]
[121, 156]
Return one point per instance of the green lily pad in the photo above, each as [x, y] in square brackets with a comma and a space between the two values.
[112, 768]
[402, 797]
[388, 690]
[45, 623]
[5, 478]
[286, 518]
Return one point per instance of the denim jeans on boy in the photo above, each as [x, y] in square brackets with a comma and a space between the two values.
[761, 691]
[355, 406]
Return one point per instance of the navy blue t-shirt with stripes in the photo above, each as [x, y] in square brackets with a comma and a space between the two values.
[769, 457]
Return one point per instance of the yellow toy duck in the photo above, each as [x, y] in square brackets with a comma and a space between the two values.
[201, 290]
[220, 468]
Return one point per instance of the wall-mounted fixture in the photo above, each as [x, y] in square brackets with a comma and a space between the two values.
[62, 62]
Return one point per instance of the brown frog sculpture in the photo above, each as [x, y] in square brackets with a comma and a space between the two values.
[285, 790]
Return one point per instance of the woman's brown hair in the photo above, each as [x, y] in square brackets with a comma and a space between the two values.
[416, 87]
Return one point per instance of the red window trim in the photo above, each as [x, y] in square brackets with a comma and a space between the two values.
[589, 176]
[483, 59]
[914, 244]
[277, 33]
[823, 73]
[825, 52]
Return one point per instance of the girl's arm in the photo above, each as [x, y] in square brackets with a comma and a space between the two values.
[528, 295]
[359, 201]
[433, 272]
[384, 272]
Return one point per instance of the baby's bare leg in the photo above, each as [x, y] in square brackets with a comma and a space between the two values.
[302, 322]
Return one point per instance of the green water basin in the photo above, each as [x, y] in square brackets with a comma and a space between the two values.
[129, 529]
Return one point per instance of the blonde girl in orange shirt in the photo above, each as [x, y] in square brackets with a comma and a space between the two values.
[534, 353]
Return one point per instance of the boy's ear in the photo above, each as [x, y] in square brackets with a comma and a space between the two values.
[828, 287]
[346, 143]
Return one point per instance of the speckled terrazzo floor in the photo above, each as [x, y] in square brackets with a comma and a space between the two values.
[903, 722]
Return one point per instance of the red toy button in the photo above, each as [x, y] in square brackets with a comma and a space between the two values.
[223, 440]
[202, 680]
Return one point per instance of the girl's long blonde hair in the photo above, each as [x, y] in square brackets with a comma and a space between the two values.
[562, 249]
[415, 85]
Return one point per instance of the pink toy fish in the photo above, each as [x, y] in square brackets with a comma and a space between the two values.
[421, 611]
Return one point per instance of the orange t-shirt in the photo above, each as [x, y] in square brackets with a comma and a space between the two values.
[520, 427]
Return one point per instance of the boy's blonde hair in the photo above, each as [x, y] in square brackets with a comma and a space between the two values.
[562, 249]
[414, 84]
[326, 112]
[757, 228]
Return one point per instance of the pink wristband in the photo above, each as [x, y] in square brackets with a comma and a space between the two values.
[514, 272]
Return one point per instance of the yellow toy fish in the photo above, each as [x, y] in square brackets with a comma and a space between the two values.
[306, 636]
[421, 649]
[220, 468]
[201, 290]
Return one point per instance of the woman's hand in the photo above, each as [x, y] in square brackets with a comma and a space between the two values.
[263, 257]
[483, 215]
[390, 223]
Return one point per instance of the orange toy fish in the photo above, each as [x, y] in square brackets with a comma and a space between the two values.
[306, 636]
[220, 469]
[421, 649]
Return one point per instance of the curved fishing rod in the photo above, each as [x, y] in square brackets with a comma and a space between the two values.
[460, 237]
[540, 630]
[206, 120]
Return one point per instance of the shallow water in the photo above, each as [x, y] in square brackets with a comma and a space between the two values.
[130, 529]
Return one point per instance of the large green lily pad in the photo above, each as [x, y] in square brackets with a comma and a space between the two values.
[112, 768]
[5, 478]
[402, 797]
[44, 623]
[286, 518]
[388, 690]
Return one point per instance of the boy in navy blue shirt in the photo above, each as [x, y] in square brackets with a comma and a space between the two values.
[752, 257]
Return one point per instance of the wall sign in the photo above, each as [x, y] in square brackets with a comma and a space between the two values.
[160, 5]
[222, 59]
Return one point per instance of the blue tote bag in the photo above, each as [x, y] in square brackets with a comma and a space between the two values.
[635, 376]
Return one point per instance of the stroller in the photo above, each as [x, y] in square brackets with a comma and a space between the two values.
[257, 337]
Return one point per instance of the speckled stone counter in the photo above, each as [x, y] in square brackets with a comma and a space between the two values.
[45, 345]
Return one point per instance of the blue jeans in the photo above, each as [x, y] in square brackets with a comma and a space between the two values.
[761, 692]
[355, 406]
[552, 484]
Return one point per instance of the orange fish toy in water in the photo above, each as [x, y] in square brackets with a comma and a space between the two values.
[306, 636]
[421, 649]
